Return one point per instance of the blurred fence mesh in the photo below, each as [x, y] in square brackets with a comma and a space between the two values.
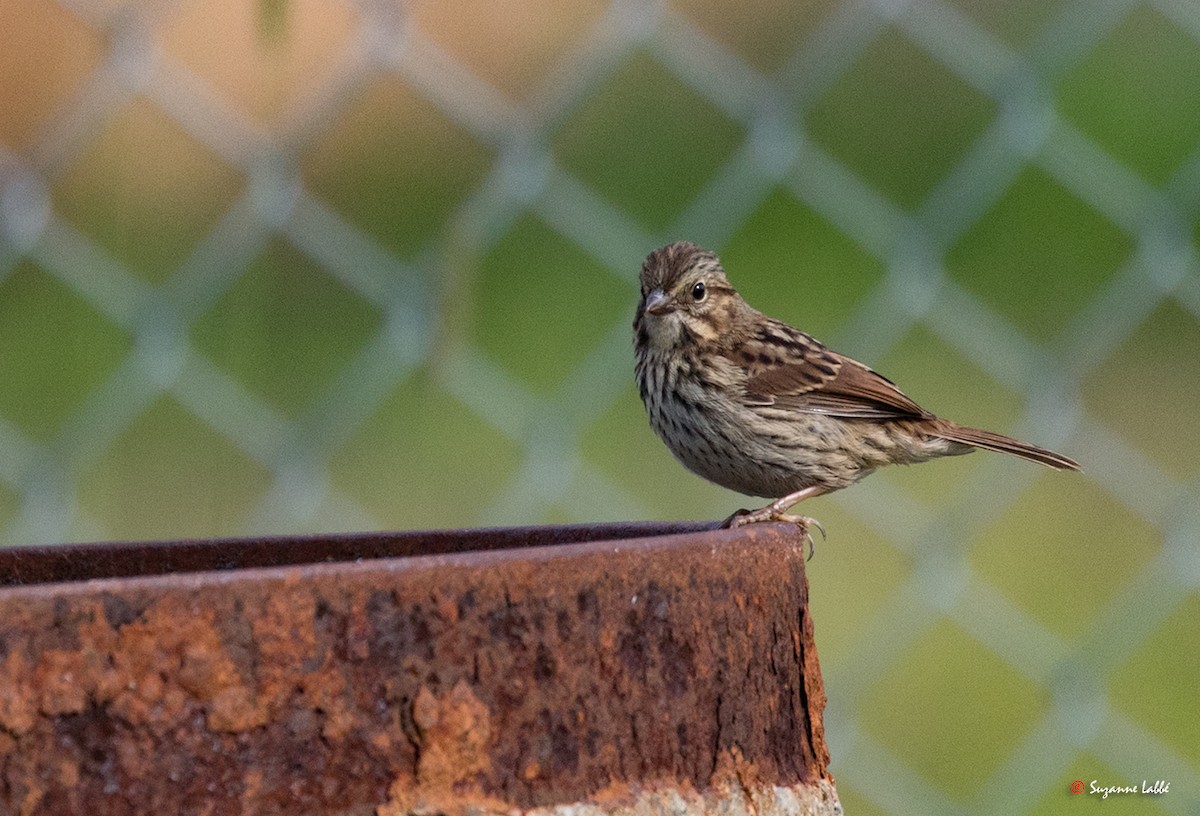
[285, 266]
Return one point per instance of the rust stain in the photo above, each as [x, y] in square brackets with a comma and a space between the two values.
[454, 736]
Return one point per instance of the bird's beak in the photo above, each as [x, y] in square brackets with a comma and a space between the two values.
[658, 303]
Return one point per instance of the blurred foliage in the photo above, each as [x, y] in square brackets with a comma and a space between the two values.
[899, 118]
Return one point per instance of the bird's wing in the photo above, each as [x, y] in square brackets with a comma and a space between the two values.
[788, 369]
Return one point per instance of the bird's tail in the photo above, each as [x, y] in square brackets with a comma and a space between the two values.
[989, 440]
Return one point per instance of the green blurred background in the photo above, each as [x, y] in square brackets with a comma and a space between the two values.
[294, 266]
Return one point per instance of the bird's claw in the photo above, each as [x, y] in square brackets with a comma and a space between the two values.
[743, 517]
[736, 519]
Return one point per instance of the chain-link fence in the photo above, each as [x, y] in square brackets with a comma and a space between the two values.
[283, 266]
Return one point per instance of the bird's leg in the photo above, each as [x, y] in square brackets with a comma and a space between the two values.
[775, 512]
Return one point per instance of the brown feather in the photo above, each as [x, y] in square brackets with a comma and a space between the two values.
[807, 376]
[804, 375]
[990, 440]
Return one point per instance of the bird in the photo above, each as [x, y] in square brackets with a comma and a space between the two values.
[762, 408]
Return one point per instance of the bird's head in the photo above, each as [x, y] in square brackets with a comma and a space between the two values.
[685, 292]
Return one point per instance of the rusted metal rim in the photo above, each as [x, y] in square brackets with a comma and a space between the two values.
[81, 562]
[642, 667]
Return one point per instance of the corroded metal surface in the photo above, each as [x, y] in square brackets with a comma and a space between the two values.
[647, 664]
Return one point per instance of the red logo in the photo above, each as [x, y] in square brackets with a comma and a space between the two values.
[1077, 786]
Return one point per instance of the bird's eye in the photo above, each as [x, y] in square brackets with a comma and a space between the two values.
[698, 292]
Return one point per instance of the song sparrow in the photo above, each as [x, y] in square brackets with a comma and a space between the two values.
[756, 406]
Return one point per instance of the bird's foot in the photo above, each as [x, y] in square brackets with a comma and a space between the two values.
[772, 512]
